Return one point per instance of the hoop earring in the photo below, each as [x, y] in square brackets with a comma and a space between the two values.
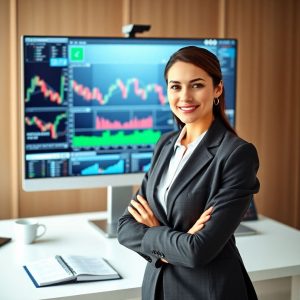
[216, 101]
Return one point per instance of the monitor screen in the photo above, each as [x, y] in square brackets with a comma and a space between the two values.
[93, 108]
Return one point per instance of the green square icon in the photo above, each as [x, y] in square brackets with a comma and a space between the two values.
[76, 54]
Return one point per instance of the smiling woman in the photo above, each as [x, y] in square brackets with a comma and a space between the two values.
[206, 68]
[199, 186]
[191, 95]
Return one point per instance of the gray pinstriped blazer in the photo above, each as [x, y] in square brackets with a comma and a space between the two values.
[222, 173]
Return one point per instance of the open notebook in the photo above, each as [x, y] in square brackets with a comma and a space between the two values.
[69, 268]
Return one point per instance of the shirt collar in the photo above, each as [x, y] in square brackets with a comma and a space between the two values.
[193, 144]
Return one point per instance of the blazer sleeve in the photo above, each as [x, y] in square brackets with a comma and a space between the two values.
[238, 184]
[130, 232]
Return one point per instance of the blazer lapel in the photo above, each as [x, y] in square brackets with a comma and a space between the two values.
[160, 165]
[201, 156]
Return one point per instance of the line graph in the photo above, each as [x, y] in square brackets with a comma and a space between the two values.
[121, 87]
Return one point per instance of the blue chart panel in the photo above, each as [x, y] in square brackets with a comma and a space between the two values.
[146, 167]
[229, 91]
[93, 167]
[84, 120]
[97, 168]
[141, 162]
[164, 119]
[123, 85]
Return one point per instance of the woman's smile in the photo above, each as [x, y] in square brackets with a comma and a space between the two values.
[191, 94]
[188, 108]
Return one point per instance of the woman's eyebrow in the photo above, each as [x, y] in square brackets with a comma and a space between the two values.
[191, 81]
[197, 79]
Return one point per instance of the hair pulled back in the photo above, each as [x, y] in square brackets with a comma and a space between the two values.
[208, 62]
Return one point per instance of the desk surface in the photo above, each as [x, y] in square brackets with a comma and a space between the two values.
[273, 253]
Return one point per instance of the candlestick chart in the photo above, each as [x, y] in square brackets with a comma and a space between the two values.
[46, 87]
[41, 127]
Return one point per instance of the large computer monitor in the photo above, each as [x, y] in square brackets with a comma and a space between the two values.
[93, 109]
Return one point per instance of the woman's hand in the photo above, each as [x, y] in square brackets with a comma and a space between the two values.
[142, 212]
[201, 221]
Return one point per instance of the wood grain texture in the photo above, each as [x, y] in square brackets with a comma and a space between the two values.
[268, 104]
[67, 17]
[70, 17]
[8, 192]
[177, 18]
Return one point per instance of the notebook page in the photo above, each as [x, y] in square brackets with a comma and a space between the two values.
[47, 271]
[89, 265]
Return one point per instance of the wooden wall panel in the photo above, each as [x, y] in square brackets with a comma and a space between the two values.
[67, 17]
[5, 209]
[295, 144]
[177, 18]
[70, 17]
[267, 111]
[6, 55]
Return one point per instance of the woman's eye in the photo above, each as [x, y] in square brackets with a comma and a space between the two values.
[197, 85]
[174, 87]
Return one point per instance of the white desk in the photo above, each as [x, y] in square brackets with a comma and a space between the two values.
[274, 253]
[68, 234]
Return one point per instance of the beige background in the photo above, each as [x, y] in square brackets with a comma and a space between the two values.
[268, 104]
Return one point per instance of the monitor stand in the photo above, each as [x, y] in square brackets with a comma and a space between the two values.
[118, 198]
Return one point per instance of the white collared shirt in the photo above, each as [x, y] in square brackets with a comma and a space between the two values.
[178, 160]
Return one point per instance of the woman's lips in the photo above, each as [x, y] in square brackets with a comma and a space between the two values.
[188, 109]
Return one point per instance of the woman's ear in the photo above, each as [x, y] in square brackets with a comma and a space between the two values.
[219, 89]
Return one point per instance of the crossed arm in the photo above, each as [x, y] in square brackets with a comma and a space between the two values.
[142, 213]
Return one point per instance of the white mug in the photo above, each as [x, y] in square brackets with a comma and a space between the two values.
[27, 231]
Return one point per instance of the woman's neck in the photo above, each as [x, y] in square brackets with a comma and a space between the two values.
[193, 131]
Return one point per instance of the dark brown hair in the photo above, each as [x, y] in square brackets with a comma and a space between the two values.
[208, 62]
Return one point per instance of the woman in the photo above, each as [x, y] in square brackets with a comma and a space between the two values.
[204, 168]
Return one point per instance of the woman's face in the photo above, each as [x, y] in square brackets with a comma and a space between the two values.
[191, 93]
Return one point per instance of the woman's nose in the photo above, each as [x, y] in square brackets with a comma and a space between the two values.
[185, 94]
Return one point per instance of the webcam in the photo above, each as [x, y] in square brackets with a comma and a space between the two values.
[130, 30]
